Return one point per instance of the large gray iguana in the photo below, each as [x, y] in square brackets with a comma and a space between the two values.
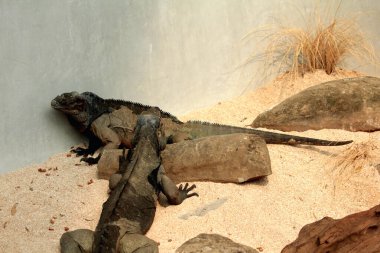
[129, 211]
[110, 123]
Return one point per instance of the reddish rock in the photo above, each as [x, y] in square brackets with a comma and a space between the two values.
[356, 233]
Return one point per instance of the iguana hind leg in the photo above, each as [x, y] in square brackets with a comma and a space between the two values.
[137, 243]
[77, 241]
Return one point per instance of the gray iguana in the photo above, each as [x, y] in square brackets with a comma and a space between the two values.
[110, 123]
[129, 211]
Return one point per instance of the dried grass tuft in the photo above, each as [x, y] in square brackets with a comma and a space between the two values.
[354, 159]
[323, 44]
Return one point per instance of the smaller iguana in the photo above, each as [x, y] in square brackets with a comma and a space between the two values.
[130, 209]
[110, 123]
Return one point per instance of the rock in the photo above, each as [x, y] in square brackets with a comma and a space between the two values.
[234, 158]
[351, 104]
[213, 243]
[356, 233]
[109, 163]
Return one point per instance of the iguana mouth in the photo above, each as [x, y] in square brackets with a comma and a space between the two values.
[55, 104]
[70, 111]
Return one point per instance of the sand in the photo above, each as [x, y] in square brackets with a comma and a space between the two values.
[39, 202]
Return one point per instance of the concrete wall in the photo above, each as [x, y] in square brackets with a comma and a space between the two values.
[179, 55]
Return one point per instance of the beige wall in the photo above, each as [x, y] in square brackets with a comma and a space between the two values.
[179, 55]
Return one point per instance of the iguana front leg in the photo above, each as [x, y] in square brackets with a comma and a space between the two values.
[174, 195]
[93, 144]
[100, 128]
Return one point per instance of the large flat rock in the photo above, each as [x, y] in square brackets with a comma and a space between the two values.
[234, 158]
[351, 104]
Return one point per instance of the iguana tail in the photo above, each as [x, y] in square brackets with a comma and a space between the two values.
[204, 129]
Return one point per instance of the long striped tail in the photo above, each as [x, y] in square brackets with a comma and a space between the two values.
[203, 129]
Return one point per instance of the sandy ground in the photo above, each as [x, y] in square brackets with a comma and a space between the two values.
[39, 202]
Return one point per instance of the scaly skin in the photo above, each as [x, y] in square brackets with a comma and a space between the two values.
[110, 123]
[196, 129]
[129, 211]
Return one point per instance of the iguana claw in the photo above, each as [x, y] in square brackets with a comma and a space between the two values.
[80, 151]
[90, 160]
[184, 192]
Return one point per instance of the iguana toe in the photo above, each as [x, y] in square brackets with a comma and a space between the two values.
[90, 160]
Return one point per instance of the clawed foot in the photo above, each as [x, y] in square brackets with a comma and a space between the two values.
[80, 151]
[184, 192]
[90, 160]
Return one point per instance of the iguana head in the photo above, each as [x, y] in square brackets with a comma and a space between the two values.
[69, 103]
[81, 109]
